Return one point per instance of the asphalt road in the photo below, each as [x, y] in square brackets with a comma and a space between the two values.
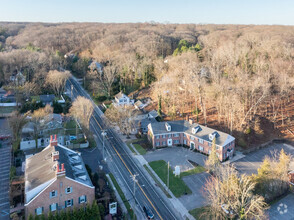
[145, 193]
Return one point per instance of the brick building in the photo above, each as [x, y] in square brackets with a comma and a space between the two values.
[56, 179]
[193, 135]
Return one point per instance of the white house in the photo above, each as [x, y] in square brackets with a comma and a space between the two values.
[121, 99]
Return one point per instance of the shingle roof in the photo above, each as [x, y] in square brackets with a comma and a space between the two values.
[40, 168]
[153, 113]
[184, 126]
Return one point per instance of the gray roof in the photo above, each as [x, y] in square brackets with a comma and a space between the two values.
[184, 126]
[40, 168]
[153, 113]
[119, 95]
[146, 121]
[47, 98]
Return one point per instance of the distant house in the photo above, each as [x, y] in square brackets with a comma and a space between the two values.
[195, 136]
[56, 179]
[153, 114]
[140, 105]
[95, 66]
[291, 177]
[143, 124]
[19, 79]
[47, 99]
[121, 99]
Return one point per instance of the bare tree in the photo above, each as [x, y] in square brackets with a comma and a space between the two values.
[232, 196]
[82, 109]
[212, 161]
[16, 122]
[56, 80]
[123, 117]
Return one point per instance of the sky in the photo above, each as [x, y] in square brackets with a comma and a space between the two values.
[163, 11]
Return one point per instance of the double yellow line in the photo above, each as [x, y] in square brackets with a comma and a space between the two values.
[128, 169]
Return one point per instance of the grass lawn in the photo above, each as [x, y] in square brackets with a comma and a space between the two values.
[140, 149]
[198, 169]
[157, 182]
[7, 109]
[198, 213]
[129, 145]
[176, 184]
[70, 127]
[122, 196]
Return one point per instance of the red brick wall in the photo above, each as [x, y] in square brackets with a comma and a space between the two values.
[44, 200]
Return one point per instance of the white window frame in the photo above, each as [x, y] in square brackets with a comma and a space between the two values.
[176, 135]
[169, 135]
[157, 143]
[55, 193]
[70, 203]
[82, 199]
[201, 141]
[185, 142]
[53, 205]
[157, 136]
[69, 187]
[163, 136]
[200, 148]
[38, 212]
[163, 143]
[192, 138]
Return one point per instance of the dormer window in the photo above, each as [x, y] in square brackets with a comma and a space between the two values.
[167, 126]
[195, 129]
[213, 135]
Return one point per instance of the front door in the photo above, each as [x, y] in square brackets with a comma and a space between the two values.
[169, 142]
[192, 146]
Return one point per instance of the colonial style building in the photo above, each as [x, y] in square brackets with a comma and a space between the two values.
[121, 99]
[193, 135]
[56, 179]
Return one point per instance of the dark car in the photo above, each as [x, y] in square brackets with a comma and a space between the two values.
[148, 213]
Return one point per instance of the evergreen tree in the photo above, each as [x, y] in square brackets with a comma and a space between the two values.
[159, 105]
[213, 161]
[95, 211]
[31, 217]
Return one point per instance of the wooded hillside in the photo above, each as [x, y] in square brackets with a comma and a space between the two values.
[238, 78]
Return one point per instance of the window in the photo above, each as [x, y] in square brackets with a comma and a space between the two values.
[185, 141]
[209, 152]
[53, 194]
[217, 147]
[176, 135]
[176, 141]
[200, 141]
[200, 148]
[157, 136]
[68, 203]
[39, 211]
[209, 144]
[163, 143]
[169, 136]
[192, 138]
[82, 199]
[53, 207]
[163, 136]
[157, 143]
[68, 190]
[185, 135]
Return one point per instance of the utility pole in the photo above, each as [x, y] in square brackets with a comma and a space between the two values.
[71, 93]
[168, 174]
[103, 150]
[135, 181]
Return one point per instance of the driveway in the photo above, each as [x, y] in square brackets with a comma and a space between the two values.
[4, 181]
[252, 161]
[283, 209]
[196, 183]
[177, 156]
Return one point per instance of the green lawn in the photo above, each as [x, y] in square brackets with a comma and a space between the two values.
[122, 196]
[70, 127]
[129, 145]
[157, 182]
[198, 169]
[176, 184]
[199, 213]
[7, 109]
[140, 149]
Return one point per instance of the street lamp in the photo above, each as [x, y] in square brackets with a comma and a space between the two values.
[135, 181]
[103, 136]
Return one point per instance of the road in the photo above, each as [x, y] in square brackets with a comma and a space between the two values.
[145, 193]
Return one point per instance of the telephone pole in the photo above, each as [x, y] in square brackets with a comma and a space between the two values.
[168, 174]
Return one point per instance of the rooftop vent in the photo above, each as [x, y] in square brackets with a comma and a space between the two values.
[213, 135]
[196, 129]
[55, 155]
[167, 126]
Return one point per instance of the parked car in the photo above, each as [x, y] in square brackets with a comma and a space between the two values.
[148, 213]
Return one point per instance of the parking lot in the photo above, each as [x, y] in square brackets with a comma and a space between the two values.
[283, 209]
[4, 181]
[179, 156]
[252, 161]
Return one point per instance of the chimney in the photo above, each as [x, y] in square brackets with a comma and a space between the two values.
[187, 117]
[191, 121]
[60, 172]
[53, 141]
[55, 155]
